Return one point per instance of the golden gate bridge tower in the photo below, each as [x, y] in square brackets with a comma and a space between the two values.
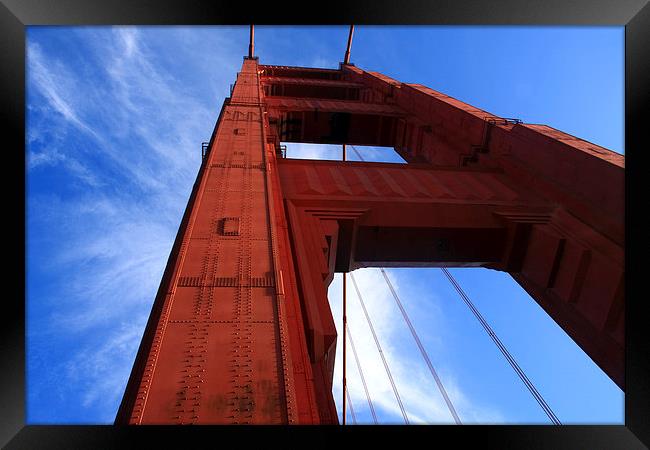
[241, 331]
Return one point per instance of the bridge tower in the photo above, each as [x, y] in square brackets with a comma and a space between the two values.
[241, 330]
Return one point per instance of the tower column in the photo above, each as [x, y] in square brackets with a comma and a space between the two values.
[222, 344]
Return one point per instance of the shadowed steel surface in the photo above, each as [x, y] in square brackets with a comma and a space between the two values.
[251, 45]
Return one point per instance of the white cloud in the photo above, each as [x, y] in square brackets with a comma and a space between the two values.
[102, 371]
[129, 38]
[51, 85]
[44, 158]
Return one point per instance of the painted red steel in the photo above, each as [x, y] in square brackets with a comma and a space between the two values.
[241, 330]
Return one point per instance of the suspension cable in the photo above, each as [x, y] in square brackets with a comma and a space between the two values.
[347, 394]
[381, 353]
[363, 379]
[422, 349]
[538, 397]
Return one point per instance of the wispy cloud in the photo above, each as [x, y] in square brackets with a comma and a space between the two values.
[109, 365]
[118, 117]
[52, 81]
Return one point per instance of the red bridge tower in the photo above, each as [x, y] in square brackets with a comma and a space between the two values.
[241, 330]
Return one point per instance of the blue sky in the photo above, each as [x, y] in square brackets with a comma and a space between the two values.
[115, 121]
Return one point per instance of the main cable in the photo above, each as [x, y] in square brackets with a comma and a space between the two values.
[381, 353]
[538, 397]
[422, 349]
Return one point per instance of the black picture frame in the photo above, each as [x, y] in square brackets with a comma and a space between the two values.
[15, 15]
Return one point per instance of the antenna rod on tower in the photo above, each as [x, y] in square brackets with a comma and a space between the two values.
[251, 46]
[346, 60]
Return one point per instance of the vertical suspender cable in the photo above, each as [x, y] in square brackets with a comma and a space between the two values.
[422, 350]
[345, 326]
[363, 379]
[381, 353]
[538, 397]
